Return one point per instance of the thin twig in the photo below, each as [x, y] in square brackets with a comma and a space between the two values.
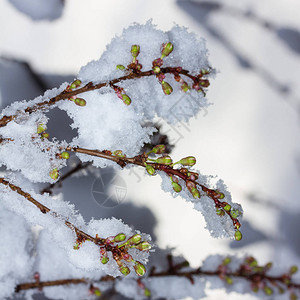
[66, 94]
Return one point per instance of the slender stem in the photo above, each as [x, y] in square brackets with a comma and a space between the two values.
[44, 209]
[77, 168]
[66, 94]
[169, 273]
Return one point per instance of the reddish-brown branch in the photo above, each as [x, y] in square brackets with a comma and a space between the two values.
[140, 161]
[66, 94]
[252, 278]
[44, 209]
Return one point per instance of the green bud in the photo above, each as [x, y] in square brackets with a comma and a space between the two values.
[139, 268]
[54, 174]
[147, 292]
[268, 291]
[97, 292]
[75, 84]
[255, 288]
[188, 161]
[80, 102]
[120, 67]
[167, 49]
[293, 296]
[227, 207]
[185, 87]
[220, 195]
[234, 213]
[119, 153]
[143, 246]
[124, 270]
[167, 89]
[228, 280]
[176, 187]
[135, 239]
[159, 149]
[269, 265]
[65, 155]
[156, 69]
[76, 246]
[226, 261]
[41, 128]
[119, 237]
[104, 260]
[195, 193]
[220, 212]
[165, 160]
[126, 99]
[150, 169]
[293, 270]
[238, 235]
[135, 50]
[45, 135]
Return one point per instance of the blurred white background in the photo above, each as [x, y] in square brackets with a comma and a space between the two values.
[249, 138]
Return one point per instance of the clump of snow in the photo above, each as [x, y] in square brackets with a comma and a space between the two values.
[15, 251]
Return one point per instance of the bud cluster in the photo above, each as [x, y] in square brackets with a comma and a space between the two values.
[257, 275]
[119, 249]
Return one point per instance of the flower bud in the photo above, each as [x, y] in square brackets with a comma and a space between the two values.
[97, 292]
[147, 292]
[119, 153]
[41, 128]
[156, 69]
[238, 235]
[188, 161]
[220, 195]
[54, 174]
[124, 270]
[135, 239]
[176, 187]
[119, 237]
[126, 99]
[293, 296]
[65, 155]
[104, 260]
[195, 193]
[80, 102]
[157, 62]
[220, 212]
[204, 83]
[234, 213]
[135, 50]
[167, 89]
[143, 246]
[229, 280]
[226, 261]
[75, 84]
[254, 288]
[167, 49]
[45, 135]
[139, 268]
[293, 270]
[150, 169]
[227, 207]
[165, 160]
[159, 149]
[185, 87]
[120, 67]
[268, 291]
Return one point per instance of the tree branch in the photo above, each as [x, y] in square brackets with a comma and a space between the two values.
[66, 94]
